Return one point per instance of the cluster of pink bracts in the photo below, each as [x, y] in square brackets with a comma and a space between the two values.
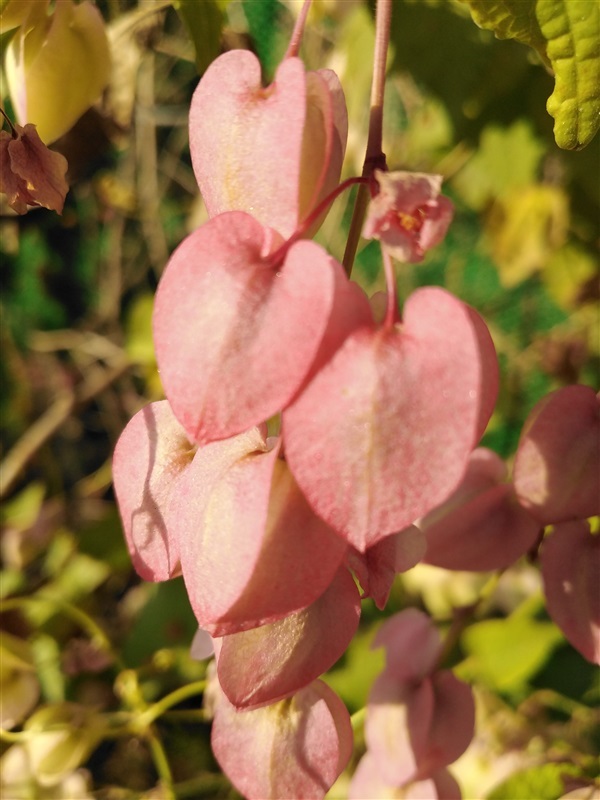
[378, 425]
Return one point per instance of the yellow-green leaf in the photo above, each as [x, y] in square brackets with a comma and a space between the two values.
[526, 227]
[506, 653]
[566, 35]
[56, 69]
[490, 174]
[204, 22]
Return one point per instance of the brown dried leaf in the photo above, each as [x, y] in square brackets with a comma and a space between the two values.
[30, 173]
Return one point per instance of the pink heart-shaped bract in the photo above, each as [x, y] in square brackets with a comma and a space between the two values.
[251, 548]
[152, 453]
[377, 567]
[367, 782]
[266, 664]
[451, 727]
[558, 459]
[392, 703]
[272, 152]
[236, 335]
[481, 526]
[412, 644]
[570, 568]
[296, 748]
[383, 432]
[415, 729]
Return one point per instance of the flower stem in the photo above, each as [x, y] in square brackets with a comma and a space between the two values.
[391, 312]
[13, 130]
[76, 614]
[374, 156]
[357, 720]
[463, 616]
[298, 32]
[383, 21]
[162, 765]
[174, 698]
[278, 256]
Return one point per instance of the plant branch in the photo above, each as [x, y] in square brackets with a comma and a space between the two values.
[51, 420]
[374, 156]
[298, 32]
[278, 256]
[391, 312]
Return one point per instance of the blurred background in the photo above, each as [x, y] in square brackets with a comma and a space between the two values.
[86, 645]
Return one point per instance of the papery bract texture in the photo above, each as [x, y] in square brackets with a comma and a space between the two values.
[412, 644]
[383, 432]
[408, 215]
[274, 661]
[251, 548]
[377, 567]
[391, 707]
[558, 459]
[367, 782]
[481, 526]
[30, 173]
[570, 568]
[441, 785]
[415, 729]
[151, 454]
[236, 335]
[452, 725]
[293, 749]
[202, 645]
[272, 152]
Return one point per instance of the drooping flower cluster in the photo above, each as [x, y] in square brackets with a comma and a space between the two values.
[491, 520]
[557, 478]
[420, 718]
[378, 420]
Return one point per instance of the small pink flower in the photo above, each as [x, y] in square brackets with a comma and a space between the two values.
[409, 215]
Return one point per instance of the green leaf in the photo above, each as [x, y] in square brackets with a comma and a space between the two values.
[566, 35]
[506, 653]
[264, 24]
[204, 23]
[546, 782]
[572, 28]
[353, 675]
[23, 509]
[138, 330]
[46, 656]
[489, 174]
[166, 620]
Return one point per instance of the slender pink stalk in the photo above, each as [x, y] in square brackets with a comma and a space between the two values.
[298, 32]
[278, 256]
[383, 22]
[391, 312]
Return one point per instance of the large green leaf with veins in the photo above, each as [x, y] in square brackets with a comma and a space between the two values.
[566, 35]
